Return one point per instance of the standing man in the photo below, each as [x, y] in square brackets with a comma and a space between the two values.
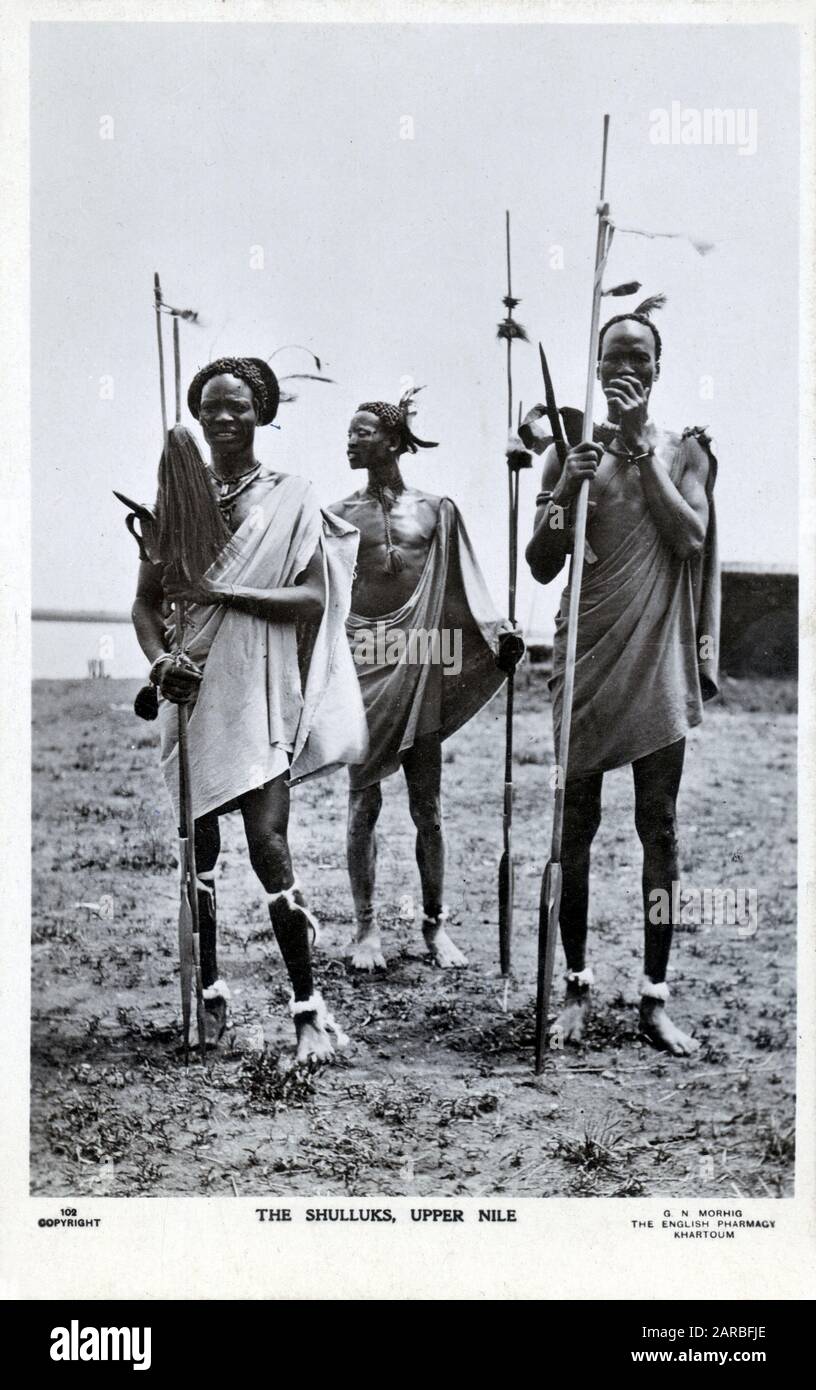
[272, 688]
[648, 632]
[430, 651]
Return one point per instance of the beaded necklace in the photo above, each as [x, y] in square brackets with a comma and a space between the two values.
[387, 496]
[231, 488]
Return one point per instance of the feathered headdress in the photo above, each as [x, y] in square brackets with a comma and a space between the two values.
[398, 418]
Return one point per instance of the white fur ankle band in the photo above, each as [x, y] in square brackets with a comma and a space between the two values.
[585, 978]
[289, 895]
[316, 1005]
[649, 990]
[442, 916]
[219, 989]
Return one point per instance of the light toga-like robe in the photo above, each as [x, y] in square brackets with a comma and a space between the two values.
[409, 692]
[648, 639]
[275, 696]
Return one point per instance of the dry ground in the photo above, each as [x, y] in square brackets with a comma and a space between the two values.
[436, 1094]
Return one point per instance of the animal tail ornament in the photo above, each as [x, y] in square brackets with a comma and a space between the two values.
[190, 529]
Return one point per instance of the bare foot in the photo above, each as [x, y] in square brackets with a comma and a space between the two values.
[444, 951]
[656, 1025]
[569, 1025]
[366, 953]
[313, 1041]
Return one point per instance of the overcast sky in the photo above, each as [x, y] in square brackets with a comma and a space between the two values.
[386, 255]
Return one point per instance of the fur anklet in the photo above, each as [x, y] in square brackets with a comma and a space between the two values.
[205, 882]
[219, 989]
[583, 978]
[649, 990]
[288, 894]
[441, 917]
[316, 1005]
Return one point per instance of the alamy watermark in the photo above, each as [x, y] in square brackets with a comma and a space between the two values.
[705, 125]
[696, 908]
[416, 646]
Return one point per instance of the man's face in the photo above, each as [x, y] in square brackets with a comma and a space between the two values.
[370, 441]
[227, 414]
[628, 351]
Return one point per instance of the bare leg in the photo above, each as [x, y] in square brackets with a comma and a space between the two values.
[361, 848]
[582, 816]
[422, 766]
[207, 849]
[266, 820]
[657, 782]
[216, 993]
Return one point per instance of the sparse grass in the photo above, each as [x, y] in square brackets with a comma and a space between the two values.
[436, 1095]
[267, 1087]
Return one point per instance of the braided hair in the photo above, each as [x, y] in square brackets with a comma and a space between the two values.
[257, 375]
[642, 313]
[396, 417]
[636, 318]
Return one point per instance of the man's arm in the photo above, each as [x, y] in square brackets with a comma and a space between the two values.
[680, 513]
[177, 681]
[146, 612]
[550, 543]
[302, 601]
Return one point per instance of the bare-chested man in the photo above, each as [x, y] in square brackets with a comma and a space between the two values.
[278, 698]
[430, 651]
[647, 645]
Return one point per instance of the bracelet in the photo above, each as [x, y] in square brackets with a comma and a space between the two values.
[545, 499]
[165, 656]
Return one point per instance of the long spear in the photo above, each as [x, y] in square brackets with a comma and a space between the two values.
[509, 330]
[189, 959]
[550, 903]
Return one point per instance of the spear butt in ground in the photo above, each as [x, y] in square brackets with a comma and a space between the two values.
[549, 911]
[550, 902]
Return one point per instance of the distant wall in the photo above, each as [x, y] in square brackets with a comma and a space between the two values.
[760, 623]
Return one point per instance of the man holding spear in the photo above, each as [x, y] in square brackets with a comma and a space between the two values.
[647, 638]
[430, 651]
[266, 668]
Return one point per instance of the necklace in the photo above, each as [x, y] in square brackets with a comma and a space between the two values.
[230, 488]
[387, 496]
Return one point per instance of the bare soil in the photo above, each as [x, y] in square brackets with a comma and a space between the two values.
[436, 1095]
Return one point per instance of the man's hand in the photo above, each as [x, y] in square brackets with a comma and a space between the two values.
[179, 679]
[629, 406]
[581, 463]
[511, 649]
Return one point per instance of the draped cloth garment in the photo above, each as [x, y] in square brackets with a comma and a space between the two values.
[257, 713]
[648, 639]
[409, 698]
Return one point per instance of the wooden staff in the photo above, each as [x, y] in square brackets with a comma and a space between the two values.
[509, 329]
[550, 903]
[189, 958]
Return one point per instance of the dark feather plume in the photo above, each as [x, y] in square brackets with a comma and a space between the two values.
[620, 291]
[306, 376]
[648, 306]
[509, 329]
[190, 530]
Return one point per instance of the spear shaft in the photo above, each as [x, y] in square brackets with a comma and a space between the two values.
[550, 904]
[506, 865]
[189, 959]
